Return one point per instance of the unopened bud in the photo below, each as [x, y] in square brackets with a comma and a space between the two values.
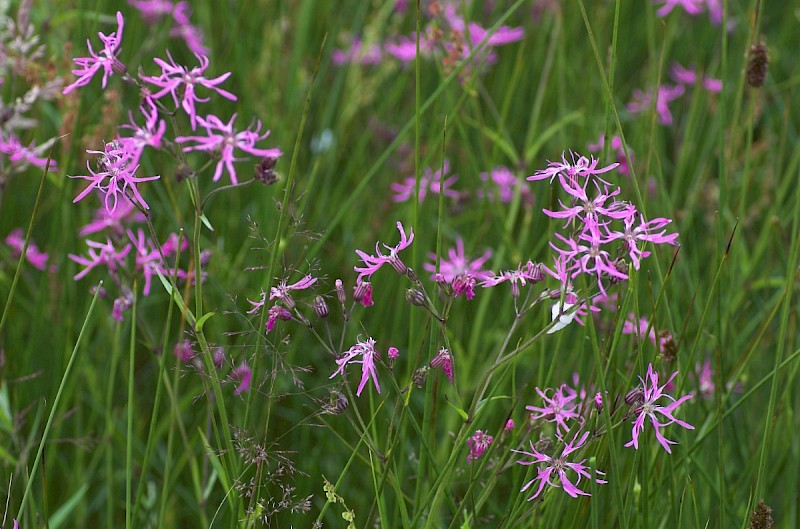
[340, 293]
[634, 397]
[420, 376]
[415, 297]
[265, 171]
[320, 307]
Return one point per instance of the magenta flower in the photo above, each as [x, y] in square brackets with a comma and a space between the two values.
[666, 94]
[649, 408]
[558, 409]
[685, 76]
[115, 221]
[619, 152]
[528, 272]
[587, 209]
[101, 255]
[368, 355]
[147, 135]
[275, 313]
[555, 469]
[16, 240]
[405, 48]
[639, 330]
[21, 156]
[362, 293]
[182, 83]
[183, 351]
[152, 10]
[444, 361]
[583, 168]
[184, 29]
[105, 59]
[692, 7]
[223, 138]
[646, 231]
[478, 444]
[148, 260]
[457, 263]
[117, 176]
[373, 263]
[429, 181]
[504, 185]
[281, 291]
[357, 54]
[243, 374]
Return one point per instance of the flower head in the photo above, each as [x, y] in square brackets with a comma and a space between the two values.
[430, 181]
[660, 416]
[478, 444]
[554, 472]
[363, 353]
[105, 59]
[243, 374]
[373, 263]
[221, 137]
[559, 408]
[182, 82]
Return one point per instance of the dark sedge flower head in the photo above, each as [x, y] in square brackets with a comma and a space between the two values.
[105, 59]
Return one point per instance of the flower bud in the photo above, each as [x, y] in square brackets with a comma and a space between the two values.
[320, 307]
[415, 297]
[420, 376]
[634, 397]
[340, 293]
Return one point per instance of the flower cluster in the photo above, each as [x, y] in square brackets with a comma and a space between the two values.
[448, 35]
[597, 219]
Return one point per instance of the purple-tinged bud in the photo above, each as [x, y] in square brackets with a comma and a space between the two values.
[320, 307]
[219, 357]
[509, 425]
[393, 353]
[287, 300]
[420, 376]
[265, 171]
[444, 360]
[398, 264]
[598, 402]
[340, 293]
[415, 297]
[634, 397]
[362, 293]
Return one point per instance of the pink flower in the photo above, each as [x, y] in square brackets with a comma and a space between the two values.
[429, 181]
[444, 361]
[101, 255]
[105, 59]
[618, 150]
[692, 7]
[528, 272]
[181, 83]
[20, 155]
[152, 10]
[457, 263]
[509, 425]
[221, 137]
[362, 293]
[649, 408]
[684, 76]
[148, 135]
[243, 374]
[357, 54]
[281, 291]
[373, 263]
[148, 260]
[16, 240]
[557, 467]
[183, 351]
[558, 409]
[405, 48]
[367, 353]
[125, 213]
[117, 176]
[583, 168]
[184, 29]
[646, 231]
[505, 183]
[666, 94]
[276, 312]
[478, 444]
